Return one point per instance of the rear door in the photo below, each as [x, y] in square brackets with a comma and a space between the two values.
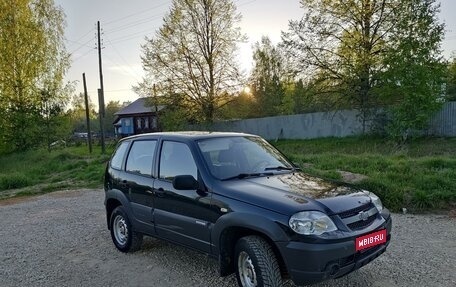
[180, 215]
[138, 179]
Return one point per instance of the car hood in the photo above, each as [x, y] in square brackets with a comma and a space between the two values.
[293, 192]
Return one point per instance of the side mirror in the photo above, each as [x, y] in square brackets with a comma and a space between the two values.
[185, 182]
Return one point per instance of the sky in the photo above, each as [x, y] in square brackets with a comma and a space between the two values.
[125, 24]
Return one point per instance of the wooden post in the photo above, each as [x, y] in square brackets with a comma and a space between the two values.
[101, 91]
[86, 99]
[101, 117]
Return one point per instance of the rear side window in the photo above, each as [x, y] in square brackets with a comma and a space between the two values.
[140, 157]
[116, 160]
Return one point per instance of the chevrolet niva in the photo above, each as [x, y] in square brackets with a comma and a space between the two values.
[238, 199]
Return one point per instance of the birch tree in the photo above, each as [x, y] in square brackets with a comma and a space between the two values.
[193, 53]
[33, 61]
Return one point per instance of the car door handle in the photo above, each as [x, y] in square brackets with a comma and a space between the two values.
[160, 192]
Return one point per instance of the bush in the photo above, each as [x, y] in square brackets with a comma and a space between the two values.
[13, 181]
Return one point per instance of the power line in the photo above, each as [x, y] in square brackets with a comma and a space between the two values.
[131, 36]
[123, 59]
[136, 13]
[121, 67]
[112, 91]
[143, 21]
[83, 55]
[80, 45]
[135, 23]
[246, 3]
[83, 36]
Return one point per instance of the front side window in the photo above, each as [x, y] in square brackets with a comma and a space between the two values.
[116, 160]
[176, 159]
[140, 157]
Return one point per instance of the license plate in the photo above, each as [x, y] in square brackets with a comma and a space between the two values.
[370, 240]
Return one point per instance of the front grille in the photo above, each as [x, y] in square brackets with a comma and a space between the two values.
[362, 223]
[355, 211]
[360, 217]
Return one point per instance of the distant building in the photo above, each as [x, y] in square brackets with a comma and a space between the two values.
[137, 118]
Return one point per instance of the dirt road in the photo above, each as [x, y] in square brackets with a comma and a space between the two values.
[61, 239]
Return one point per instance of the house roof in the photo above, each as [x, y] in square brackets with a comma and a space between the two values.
[140, 106]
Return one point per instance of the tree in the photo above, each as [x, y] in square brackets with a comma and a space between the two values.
[112, 107]
[414, 79]
[451, 80]
[193, 53]
[346, 48]
[55, 124]
[268, 78]
[33, 61]
[242, 106]
[338, 45]
[77, 115]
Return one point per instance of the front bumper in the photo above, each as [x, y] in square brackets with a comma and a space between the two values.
[309, 263]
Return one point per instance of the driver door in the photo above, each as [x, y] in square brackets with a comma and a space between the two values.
[180, 215]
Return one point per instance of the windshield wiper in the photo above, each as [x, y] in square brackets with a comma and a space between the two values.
[280, 167]
[244, 175]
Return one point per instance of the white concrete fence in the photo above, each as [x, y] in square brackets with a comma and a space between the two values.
[324, 124]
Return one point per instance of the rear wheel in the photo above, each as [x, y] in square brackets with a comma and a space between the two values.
[122, 234]
[256, 263]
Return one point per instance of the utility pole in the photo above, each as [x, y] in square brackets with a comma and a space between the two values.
[101, 116]
[101, 101]
[86, 99]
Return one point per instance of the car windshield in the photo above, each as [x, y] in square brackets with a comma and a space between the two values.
[240, 157]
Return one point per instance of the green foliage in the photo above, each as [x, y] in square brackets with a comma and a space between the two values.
[418, 176]
[415, 76]
[14, 181]
[241, 106]
[193, 54]
[267, 79]
[173, 120]
[111, 108]
[451, 80]
[33, 62]
[76, 116]
[370, 54]
[39, 171]
[337, 48]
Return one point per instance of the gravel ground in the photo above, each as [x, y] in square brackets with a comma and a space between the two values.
[61, 239]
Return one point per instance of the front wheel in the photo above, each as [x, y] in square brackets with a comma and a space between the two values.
[122, 234]
[256, 263]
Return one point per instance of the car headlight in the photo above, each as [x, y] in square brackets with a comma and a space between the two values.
[375, 200]
[311, 223]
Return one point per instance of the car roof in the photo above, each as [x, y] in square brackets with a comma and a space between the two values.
[191, 135]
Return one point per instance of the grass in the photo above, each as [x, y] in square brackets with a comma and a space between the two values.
[420, 176]
[39, 171]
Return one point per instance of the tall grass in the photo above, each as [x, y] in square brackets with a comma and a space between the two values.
[39, 171]
[419, 176]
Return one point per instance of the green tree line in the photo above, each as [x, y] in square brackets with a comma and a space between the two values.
[34, 98]
[33, 61]
[357, 54]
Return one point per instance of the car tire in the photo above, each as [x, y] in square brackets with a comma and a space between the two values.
[122, 234]
[256, 263]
